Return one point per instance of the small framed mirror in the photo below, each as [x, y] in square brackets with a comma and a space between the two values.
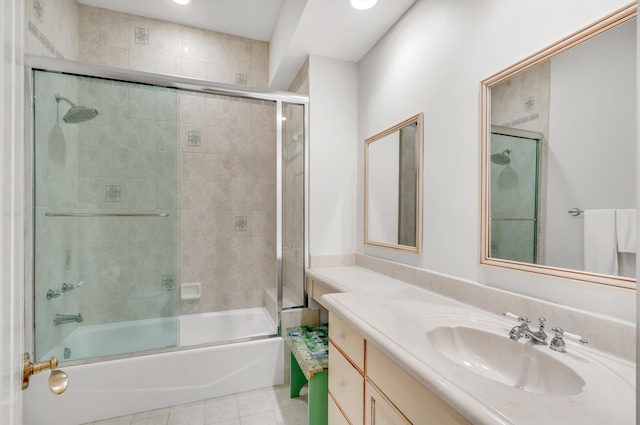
[393, 187]
[558, 164]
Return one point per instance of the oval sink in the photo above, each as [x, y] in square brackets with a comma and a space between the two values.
[516, 364]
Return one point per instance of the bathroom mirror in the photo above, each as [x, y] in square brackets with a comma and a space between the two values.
[393, 187]
[558, 157]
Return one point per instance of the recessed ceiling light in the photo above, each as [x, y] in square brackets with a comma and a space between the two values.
[362, 4]
[182, 1]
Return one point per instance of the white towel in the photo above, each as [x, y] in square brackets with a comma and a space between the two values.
[600, 242]
[626, 229]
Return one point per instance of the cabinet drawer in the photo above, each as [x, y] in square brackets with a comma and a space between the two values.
[335, 415]
[349, 341]
[346, 385]
[418, 404]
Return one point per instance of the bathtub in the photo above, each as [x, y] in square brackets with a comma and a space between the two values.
[141, 335]
[125, 386]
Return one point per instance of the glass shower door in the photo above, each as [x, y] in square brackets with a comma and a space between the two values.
[514, 198]
[105, 225]
[293, 175]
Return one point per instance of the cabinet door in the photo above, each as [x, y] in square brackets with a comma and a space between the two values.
[417, 404]
[346, 386]
[378, 409]
[335, 415]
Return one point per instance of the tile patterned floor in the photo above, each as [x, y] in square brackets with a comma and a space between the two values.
[267, 406]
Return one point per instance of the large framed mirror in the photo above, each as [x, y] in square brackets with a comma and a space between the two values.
[393, 187]
[558, 158]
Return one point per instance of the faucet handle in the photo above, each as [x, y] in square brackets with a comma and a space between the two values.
[575, 338]
[542, 321]
[558, 344]
[510, 315]
[520, 319]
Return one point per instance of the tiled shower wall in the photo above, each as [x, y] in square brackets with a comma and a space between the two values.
[128, 41]
[227, 200]
[52, 28]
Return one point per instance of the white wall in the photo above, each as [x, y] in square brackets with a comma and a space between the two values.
[591, 105]
[433, 60]
[333, 88]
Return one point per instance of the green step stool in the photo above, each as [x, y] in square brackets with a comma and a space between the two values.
[310, 363]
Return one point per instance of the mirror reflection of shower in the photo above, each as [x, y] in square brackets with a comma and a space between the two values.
[77, 114]
[501, 158]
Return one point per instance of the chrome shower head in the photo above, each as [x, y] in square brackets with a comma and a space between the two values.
[501, 158]
[77, 114]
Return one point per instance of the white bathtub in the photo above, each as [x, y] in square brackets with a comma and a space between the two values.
[124, 386]
[152, 334]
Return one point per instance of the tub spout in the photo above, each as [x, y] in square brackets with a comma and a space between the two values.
[61, 319]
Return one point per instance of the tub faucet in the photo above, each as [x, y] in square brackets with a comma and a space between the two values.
[523, 331]
[61, 319]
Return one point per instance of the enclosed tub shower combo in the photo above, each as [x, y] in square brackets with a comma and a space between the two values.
[158, 232]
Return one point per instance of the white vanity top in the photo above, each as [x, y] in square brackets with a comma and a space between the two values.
[396, 316]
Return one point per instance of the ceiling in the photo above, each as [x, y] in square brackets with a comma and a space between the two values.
[329, 28]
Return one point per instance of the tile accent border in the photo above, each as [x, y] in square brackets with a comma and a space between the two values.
[33, 29]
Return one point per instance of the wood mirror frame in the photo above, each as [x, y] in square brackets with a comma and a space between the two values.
[623, 15]
[414, 244]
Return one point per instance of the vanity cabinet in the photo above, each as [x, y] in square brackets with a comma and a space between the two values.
[399, 398]
[367, 387]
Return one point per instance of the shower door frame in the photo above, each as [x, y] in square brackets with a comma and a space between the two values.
[39, 63]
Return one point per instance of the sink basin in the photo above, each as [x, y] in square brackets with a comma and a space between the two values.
[516, 364]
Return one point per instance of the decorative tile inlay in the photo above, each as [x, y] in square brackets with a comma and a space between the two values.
[113, 193]
[522, 120]
[38, 9]
[67, 260]
[241, 223]
[194, 139]
[241, 79]
[168, 282]
[142, 35]
[33, 29]
[529, 103]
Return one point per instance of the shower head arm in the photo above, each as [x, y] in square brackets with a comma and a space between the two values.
[59, 98]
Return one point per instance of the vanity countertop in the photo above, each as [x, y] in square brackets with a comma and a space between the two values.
[396, 317]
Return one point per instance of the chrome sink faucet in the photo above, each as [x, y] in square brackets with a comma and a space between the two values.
[523, 331]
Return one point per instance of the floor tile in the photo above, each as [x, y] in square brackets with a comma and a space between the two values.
[253, 402]
[187, 414]
[265, 418]
[221, 409]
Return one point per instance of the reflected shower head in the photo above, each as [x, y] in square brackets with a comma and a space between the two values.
[77, 114]
[501, 158]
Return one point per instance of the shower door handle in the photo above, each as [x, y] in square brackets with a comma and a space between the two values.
[58, 380]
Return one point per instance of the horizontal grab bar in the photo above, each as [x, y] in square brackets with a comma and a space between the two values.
[512, 219]
[103, 215]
